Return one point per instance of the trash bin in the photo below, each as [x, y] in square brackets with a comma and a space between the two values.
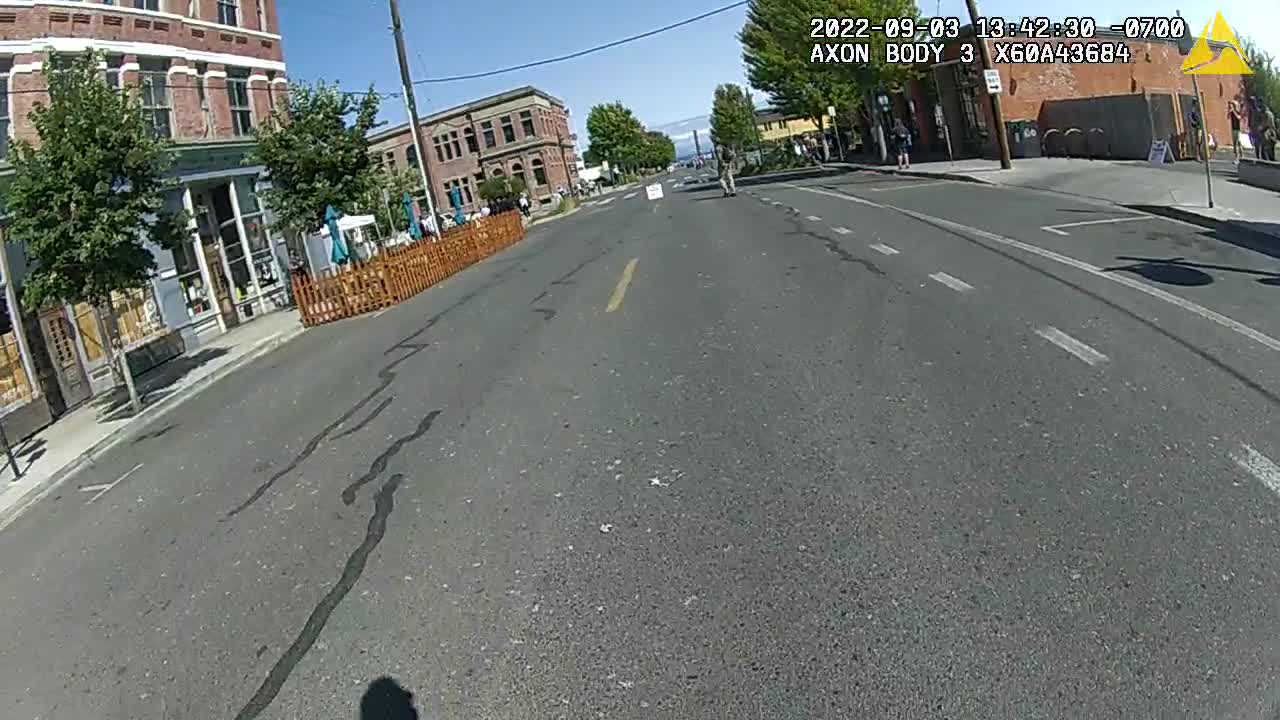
[1024, 138]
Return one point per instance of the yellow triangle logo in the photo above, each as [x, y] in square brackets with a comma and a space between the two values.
[1225, 59]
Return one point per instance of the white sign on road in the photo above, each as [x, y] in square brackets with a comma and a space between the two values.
[993, 81]
[654, 191]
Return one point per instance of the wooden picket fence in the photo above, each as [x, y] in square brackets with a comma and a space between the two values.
[398, 273]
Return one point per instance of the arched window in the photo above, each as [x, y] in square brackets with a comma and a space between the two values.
[539, 173]
[497, 172]
[411, 156]
[517, 170]
[470, 135]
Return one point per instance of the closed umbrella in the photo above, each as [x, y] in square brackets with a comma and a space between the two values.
[415, 230]
[455, 199]
[339, 255]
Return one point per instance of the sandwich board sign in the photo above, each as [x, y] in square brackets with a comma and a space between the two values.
[654, 191]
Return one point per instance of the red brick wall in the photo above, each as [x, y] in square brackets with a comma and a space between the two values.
[1154, 67]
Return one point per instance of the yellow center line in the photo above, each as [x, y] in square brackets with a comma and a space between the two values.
[620, 292]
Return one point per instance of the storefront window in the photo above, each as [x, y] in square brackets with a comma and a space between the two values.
[14, 387]
[241, 283]
[190, 281]
[247, 194]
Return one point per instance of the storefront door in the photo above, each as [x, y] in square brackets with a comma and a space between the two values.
[60, 338]
[221, 288]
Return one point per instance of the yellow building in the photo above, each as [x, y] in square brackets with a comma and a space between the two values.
[776, 126]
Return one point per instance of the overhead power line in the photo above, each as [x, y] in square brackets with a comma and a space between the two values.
[581, 53]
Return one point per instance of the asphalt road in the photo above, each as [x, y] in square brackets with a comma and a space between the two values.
[844, 446]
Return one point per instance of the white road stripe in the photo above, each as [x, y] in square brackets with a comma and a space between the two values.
[954, 283]
[775, 203]
[1057, 229]
[628, 196]
[884, 249]
[606, 201]
[1195, 308]
[814, 218]
[1071, 345]
[765, 199]
[1259, 466]
[912, 186]
[842, 230]
[104, 489]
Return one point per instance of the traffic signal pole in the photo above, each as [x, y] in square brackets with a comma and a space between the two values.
[412, 106]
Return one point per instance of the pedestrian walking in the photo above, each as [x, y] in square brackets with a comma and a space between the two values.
[902, 144]
[1269, 134]
[726, 158]
[524, 204]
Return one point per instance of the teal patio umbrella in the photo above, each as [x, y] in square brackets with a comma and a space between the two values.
[339, 255]
[415, 230]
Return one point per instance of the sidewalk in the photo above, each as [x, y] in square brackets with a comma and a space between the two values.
[75, 439]
[1171, 190]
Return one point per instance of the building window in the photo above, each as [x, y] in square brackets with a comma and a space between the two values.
[190, 281]
[508, 130]
[112, 73]
[526, 123]
[206, 113]
[238, 96]
[6, 66]
[470, 136]
[228, 13]
[439, 148]
[517, 170]
[453, 141]
[389, 160]
[153, 82]
[497, 172]
[487, 128]
[464, 191]
[411, 156]
[539, 173]
[262, 17]
[146, 5]
[14, 387]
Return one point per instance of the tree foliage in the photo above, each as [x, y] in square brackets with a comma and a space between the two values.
[658, 150]
[733, 119]
[91, 193]
[616, 134]
[385, 199]
[317, 155]
[501, 187]
[777, 47]
[1264, 83]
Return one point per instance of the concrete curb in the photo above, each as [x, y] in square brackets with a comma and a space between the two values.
[150, 413]
[924, 173]
[1228, 227]
[557, 216]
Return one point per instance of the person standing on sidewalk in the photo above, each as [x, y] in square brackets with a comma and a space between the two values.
[902, 143]
[726, 158]
[1235, 117]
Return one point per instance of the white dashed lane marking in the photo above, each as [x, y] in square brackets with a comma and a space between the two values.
[628, 196]
[813, 218]
[954, 283]
[1259, 466]
[883, 249]
[842, 230]
[1071, 345]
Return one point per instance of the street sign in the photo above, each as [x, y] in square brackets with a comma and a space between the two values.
[831, 111]
[993, 81]
[654, 191]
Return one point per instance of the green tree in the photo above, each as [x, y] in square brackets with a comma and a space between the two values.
[1264, 83]
[733, 119]
[385, 199]
[87, 197]
[777, 49]
[317, 155]
[659, 150]
[501, 187]
[591, 157]
[616, 134]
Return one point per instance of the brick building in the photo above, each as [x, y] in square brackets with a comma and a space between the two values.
[1081, 109]
[207, 73]
[519, 133]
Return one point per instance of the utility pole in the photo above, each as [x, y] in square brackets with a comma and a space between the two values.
[997, 112]
[412, 106]
[697, 145]
[1202, 134]
[563, 160]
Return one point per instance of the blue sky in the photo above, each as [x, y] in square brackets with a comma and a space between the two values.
[664, 79]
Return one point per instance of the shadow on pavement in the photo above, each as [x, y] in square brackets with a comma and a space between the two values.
[155, 384]
[386, 699]
[1258, 236]
[1178, 271]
